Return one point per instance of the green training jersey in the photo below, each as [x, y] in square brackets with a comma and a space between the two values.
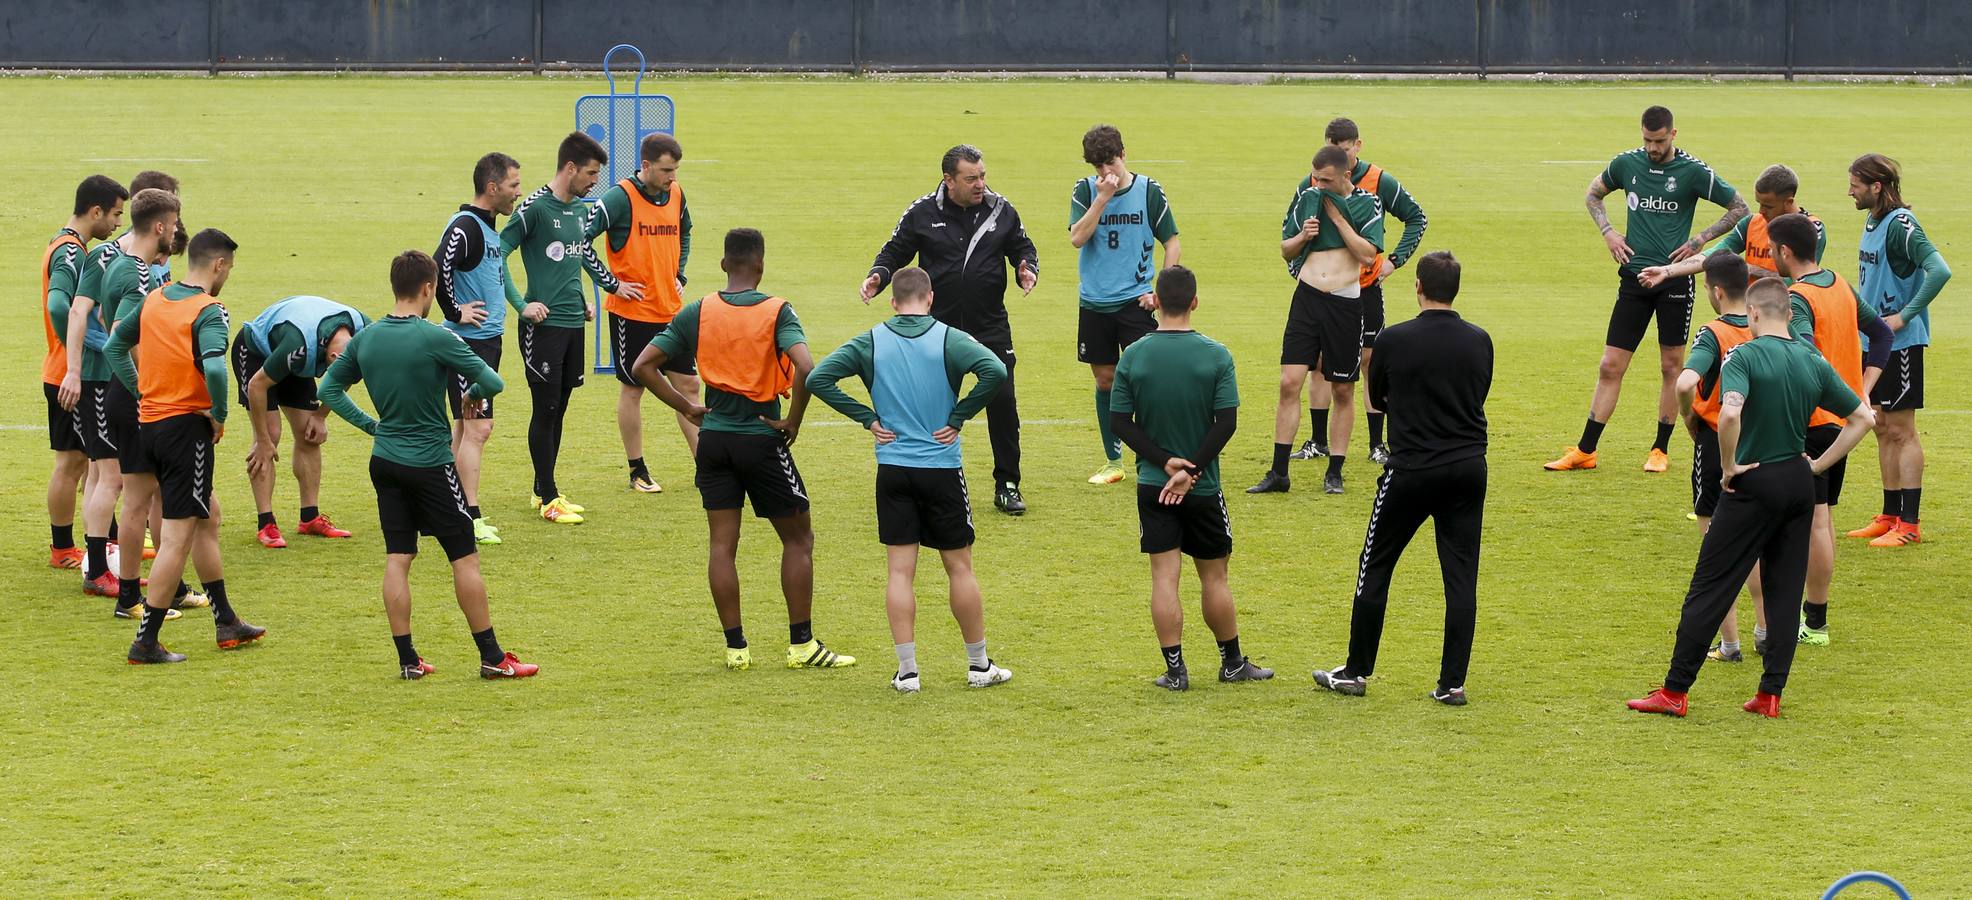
[117, 282]
[553, 252]
[406, 363]
[1662, 199]
[1172, 382]
[1784, 381]
[64, 275]
[208, 346]
[1397, 202]
[731, 413]
[287, 347]
[1704, 356]
[1362, 208]
[1802, 321]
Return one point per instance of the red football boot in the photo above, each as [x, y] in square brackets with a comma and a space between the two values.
[270, 537]
[1667, 702]
[320, 526]
[420, 670]
[66, 557]
[1764, 704]
[509, 666]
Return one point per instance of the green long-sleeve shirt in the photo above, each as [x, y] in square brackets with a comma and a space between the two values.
[553, 251]
[858, 357]
[208, 346]
[1397, 203]
[64, 274]
[406, 363]
[612, 215]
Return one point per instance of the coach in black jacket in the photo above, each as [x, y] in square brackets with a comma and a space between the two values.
[965, 236]
[1430, 375]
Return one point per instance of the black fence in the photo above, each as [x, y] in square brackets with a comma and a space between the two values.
[1777, 37]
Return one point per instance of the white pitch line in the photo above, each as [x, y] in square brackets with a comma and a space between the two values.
[1574, 162]
[142, 159]
[23, 428]
[837, 423]
[1167, 162]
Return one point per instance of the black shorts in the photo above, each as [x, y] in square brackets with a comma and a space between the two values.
[923, 506]
[293, 392]
[1372, 313]
[64, 426]
[1705, 472]
[627, 340]
[734, 468]
[179, 451]
[1100, 337]
[1828, 485]
[92, 413]
[1901, 386]
[488, 349]
[1669, 303]
[414, 500]
[1199, 526]
[121, 407]
[551, 354]
[1325, 333]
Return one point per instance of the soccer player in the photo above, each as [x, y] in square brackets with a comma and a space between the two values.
[966, 236]
[750, 352]
[1331, 232]
[407, 362]
[1176, 403]
[912, 366]
[475, 290]
[114, 280]
[650, 239]
[1399, 203]
[1827, 314]
[1774, 193]
[178, 375]
[276, 359]
[1432, 376]
[97, 213]
[1898, 276]
[1769, 386]
[547, 229]
[1115, 218]
[1698, 401]
[1664, 185]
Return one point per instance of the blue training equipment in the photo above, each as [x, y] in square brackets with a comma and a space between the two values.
[1860, 877]
[619, 121]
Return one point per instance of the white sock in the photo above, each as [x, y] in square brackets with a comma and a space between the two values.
[907, 658]
[1759, 634]
[1728, 646]
[975, 654]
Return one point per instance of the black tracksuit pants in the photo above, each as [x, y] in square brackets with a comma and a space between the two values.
[1764, 519]
[1003, 424]
[1454, 497]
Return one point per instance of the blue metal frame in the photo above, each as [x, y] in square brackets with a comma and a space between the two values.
[620, 165]
[1860, 877]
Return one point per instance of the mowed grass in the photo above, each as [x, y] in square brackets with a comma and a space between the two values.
[637, 765]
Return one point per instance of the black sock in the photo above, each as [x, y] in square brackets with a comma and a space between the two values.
[222, 611]
[310, 513]
[1320, 431]
[543, 437]
[116, 528]
[1911, 496]
[1663, 437]
[1335, 464]
[61, 537]
[1816, 613]
[1375, 428]
[129, 593]
[406, 655]
[265, 519]
[736, 638]
[799, 633]
[473, 511]
[489, 648]
[637, 467]
[1591, 435]
[99, 557]
[182, 590]
[151, 625]
[1174, 657]
[1229, 656]
[1280, 458]
[1893, 502]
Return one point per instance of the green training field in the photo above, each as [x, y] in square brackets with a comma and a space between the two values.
[637, 765]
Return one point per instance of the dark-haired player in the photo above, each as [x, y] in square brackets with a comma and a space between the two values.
[406, 363]
[1663, 184]
[97, 213]
[1176, 403]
